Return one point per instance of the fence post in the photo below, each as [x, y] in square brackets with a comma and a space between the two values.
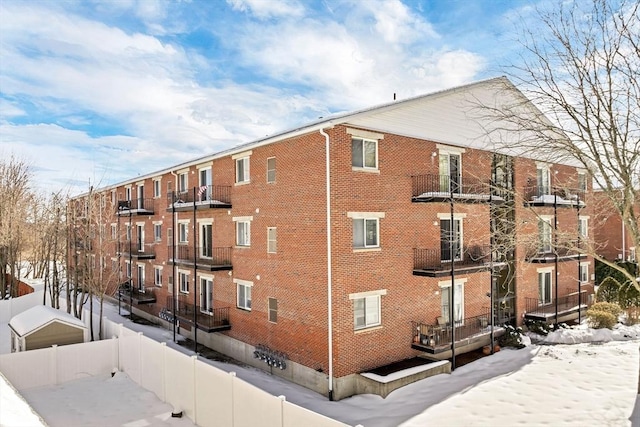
[140, 359]
[283, 399]
[120, 346]
[163, 372]
[194, 359]
[233, 403]
[54, 364]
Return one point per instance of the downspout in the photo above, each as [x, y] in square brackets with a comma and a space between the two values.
[329, 278]
[174, 299]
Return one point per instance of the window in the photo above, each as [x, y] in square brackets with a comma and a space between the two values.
[544, 235]
[366, 312]
[458, 301]
[273, 310]
[206, 240]
[114, 232]
[140, 233]
[544, 287]
[127, 193]
[140, 204]
[157, 232]
[157, 191]
[183, 232]
[584, 273]
[140, 277]
[450, 237]
[450, 172]
[364, 153]
[183, 281]
[543, 177]
[365, 233]
[244, 293]
[128, 269]
[113, 197]
[205, 183]
[271, 170]
[582, 181]
[632, 254]
[206, 295]
[243, 233]
[157, 276]
[128, 232]
[583, 226]
[183, 182]
[271, 240]
[114, 265]
[242, 170]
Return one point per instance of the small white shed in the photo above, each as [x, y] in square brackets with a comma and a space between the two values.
[43, 326]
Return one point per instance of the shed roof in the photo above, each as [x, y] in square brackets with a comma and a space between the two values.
[39, 316]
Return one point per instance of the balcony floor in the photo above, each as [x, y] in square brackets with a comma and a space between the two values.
[463, 343]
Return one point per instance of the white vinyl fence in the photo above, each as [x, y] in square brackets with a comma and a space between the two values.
[205, 394]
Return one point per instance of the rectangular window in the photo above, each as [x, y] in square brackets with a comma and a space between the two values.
[243, 233]
[114, 232]
[582, 181]
[543, 177]
[450, 172]
[583, 227]
[128, 269]
[271, 240]
[205, 184]
[365, 233]
[271, 170]
[140, 204]
[140, 237]
[273, 310]
[364, 153]
[127, 193]
[183, 280]
[206, 295]
[450, 237]
[141, 278]
[544, 287]
[157, 232]
[366, 312]
[244, 295]
[632, 254]
[242, 170]
[544, 235]
[114, 266]
[584, 273]
[183, 232]
[183, 182]
[128, 236]
[157, 188]
[206, 240]
[458, 302]
[157, 276]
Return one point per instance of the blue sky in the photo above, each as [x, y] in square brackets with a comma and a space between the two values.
[102, 91]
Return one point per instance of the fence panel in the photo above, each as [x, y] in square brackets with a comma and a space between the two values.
[179, 378]
[294, 416]
[266, 410]
[29, 369]
[152, 366]
[78, 361]
[213, 396]
[13, 306]
[130, 354]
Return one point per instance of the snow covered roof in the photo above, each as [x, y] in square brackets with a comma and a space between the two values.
[40, 316]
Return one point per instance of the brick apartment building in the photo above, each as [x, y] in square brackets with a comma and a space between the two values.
[613, 240]
[333, 247]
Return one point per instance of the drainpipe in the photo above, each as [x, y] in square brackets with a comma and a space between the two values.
[174, 299]
[329, 278]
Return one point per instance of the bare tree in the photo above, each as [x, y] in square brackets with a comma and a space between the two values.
[581, 69]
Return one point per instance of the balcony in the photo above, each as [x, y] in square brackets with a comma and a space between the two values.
[136, 251]
[208, 320]
[568, 307]
[138, 295]
[535, 195]
[204, 197]
[433, 263]
[141, 206]
[469, 333]
[544, 254]
[440, 188]
[208, 259]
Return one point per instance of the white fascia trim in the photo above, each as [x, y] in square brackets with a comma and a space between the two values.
[359, 295]
[204, 221]
[242, 218]
[450, 149]
[542, 165]
[584, 216]
[185, 272]
[545, 270]
[204, 166]
[447, 283]
[140, 223]
[128, 186]
[157, 178]
[139, 183]
[447, 215]
[184, 221]
[242, 282]
[365, 134]
[181, 171]
[206, 276]
[242, 155]
[158, 267]
[365, 215]
[157, 222]
[140, 264]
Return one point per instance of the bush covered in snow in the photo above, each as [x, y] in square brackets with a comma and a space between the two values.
[512, 337]
[608, 290]
[537, 327]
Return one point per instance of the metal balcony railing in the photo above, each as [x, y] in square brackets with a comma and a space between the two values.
[565, 303]
[139, 206]
[216, 256]
[434, 259]
[553, 195]
[442, 186]
[206, 318]
[204, 195]
[433, 336]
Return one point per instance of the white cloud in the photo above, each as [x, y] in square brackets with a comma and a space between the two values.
[265, 9]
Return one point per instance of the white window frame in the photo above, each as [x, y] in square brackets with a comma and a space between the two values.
[157, 188]
[543, 299]
[141, 273]
[114, 231]
[364, 218]
[458, 300]
[242, 167]
[272, 240]
[128, 232]
[157, 231]
[371, 302]
[243, 233]
[271, 171]
[206, 283]
[364, 137]
[127, 193]
[157, 275]
[545, 234]
[183, 281]
[183, 231]
[272, 310]
[201, 226]
[583, 226]
[127, 269]
[543, 171]
[245, 285]
[183, 181]
[584, 272]
[365, 144]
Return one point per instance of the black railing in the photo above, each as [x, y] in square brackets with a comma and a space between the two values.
[565, 249]
[147, 250]
[536, 306]
[138, 293]
[444, 184]
[548, 195]
[434, 259]
[139, 205]
[439, 335]
[212, 194]
[205, 256]
[206, 318]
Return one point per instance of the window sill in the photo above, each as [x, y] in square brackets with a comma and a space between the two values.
[369, 329]
[243, 309]
[242, 183]
[368, 170]
[376, 249]
[242, 247]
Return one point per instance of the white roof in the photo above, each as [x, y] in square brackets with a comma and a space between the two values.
[40, 316]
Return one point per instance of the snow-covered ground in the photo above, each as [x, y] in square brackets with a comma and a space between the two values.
[592, 383]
